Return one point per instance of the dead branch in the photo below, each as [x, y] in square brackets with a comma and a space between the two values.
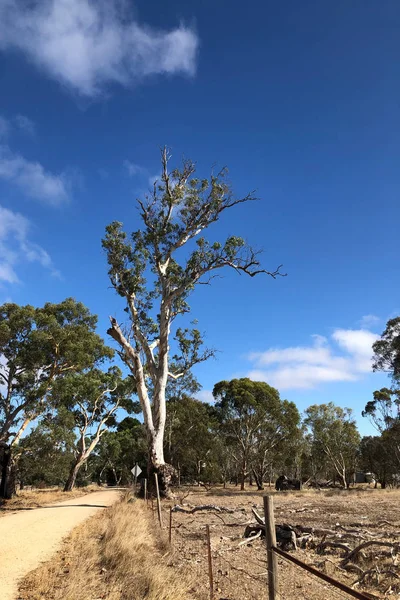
[191, 511]
[250, 539]
[332, 544]
[364, 545]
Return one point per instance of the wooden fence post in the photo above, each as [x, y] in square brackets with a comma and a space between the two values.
[158, 500]
[270, 536]
[210, 569]
[170, 526]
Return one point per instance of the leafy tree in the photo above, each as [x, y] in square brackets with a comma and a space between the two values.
[254, 420]
[91, 398]
[37, 347]
[334, 435]
[384, 409]
[46, 453]
[148, 269]
[387, 350]
[376, 458]
[190, 437]
[119, 450]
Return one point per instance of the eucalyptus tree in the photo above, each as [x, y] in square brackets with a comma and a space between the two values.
[155, 269]
[254, 421]
[334, 436]
[37, 347]
[92, 399]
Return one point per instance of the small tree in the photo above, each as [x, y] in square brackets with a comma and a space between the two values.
[150, 271]
[334, 434]
[37, 347]
[91, 398]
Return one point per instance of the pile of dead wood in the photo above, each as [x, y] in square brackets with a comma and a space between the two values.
[371, 552]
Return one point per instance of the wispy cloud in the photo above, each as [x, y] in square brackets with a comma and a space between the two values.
[369, 321]
[87, 44]
[346, 356]
[25, 124]
[32, 178]
[15, 246]
[133, 169]
[205, 396]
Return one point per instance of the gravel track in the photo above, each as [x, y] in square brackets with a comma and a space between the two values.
[31, 536]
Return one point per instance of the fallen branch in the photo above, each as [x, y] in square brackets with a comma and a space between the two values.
[332, 544]
[191, 511]
[251, 539]
[364, 545]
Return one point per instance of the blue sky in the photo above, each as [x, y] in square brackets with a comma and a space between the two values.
[299, 99]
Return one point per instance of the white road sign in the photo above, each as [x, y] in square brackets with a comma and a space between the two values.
[136, 471]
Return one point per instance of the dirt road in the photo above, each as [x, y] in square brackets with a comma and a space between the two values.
[31, 536]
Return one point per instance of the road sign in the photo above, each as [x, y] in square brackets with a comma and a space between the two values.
[136, 471]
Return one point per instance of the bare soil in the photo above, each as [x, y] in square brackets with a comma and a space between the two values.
[240, 571]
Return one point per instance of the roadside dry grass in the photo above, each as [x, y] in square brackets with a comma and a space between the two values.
[113, 556]
[38, 498]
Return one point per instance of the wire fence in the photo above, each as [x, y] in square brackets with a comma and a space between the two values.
[225, 566]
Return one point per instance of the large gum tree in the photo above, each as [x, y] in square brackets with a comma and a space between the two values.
[155, 269]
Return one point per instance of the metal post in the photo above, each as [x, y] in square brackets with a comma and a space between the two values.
[170, 526]
[210, 570]
[145, 491]
[270, 536]
[158, 500]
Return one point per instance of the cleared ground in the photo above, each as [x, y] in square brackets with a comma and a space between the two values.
[30, 536]
[345, 517]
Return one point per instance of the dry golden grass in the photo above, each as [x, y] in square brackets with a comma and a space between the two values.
[112, 556]
[38, 498]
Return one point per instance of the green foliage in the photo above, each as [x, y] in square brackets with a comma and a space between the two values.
[155, 276]
[38, 346]
[255, 423]
[119, 450]
[384, 409]
[376, 457]
[334, 438]
[190, 438]
[387, 350]
[46, 453]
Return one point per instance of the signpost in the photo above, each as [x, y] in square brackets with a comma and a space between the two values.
[136, 472]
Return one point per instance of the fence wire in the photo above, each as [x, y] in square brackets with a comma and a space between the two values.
[239, 568]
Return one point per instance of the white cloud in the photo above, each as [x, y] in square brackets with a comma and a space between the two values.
[15, 246]
[205, 396]
[369, 321]
[347, 356]
[25, 124]
[87, 44]
[134, 169]
[32, 178]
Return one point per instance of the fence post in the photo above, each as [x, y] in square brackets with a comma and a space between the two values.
[270, 536]
[158, 500]
[210, 569]
[170, 526]
[145, 491]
